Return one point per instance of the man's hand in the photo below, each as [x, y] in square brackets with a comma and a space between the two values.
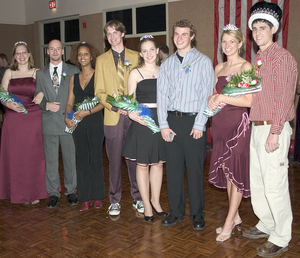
[272, 143]
[53, 106]
[197, 134]
[165, 133]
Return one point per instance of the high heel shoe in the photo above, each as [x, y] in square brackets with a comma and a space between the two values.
[149, 218]
[222, 237]
[85, 206]
[237, 223]
[159, 214]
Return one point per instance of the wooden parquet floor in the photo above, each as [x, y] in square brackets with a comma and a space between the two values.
[66, 232]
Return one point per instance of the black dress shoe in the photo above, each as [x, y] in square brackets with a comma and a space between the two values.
[52, 202]
[149, 218]
[159, 214]
[171, 220]
[72, 200]
[198, 223]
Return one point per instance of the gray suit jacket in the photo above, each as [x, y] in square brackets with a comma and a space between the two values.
[54, 123]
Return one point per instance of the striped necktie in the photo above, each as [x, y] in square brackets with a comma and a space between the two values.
[55, 80]
[120, 70]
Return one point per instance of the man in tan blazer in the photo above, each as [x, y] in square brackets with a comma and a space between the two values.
[116, 122]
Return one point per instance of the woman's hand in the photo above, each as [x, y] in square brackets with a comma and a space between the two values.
[38, 98]
[80, 114]
[123, 112]
[135, 117]
[212, 102]
[15, 106]
[70, 123]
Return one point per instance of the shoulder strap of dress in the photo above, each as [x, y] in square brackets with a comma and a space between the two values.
[33, 72]
[140, 72]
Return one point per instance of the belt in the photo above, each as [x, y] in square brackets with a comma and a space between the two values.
[149, 105]
[178, 113]
[261, 123]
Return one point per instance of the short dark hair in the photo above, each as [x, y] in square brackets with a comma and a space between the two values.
[164, 49]
[3, 57]
[186, 24]
[119, 26]
[271, 25]
[94, 52]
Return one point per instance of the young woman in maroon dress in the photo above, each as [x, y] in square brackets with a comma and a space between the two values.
[22, 163]
[229, 165]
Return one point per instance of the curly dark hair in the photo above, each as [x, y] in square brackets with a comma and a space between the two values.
[186, 24]
[74, 53]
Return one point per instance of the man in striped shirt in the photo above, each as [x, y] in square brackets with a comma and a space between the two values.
[271, 111]
[185, 81]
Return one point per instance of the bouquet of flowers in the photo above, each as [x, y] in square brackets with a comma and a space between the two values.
[129, 103]
[87, 104]
[5, 97]
[238, 85]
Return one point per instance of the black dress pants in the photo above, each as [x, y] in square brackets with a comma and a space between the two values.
[185, 152]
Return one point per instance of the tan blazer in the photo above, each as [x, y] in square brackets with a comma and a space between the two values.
[107, 81]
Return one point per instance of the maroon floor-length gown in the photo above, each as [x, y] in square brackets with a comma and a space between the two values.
[231, 146]
[22, 162]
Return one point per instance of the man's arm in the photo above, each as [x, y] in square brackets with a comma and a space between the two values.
[100, 90]
[207, 82]
[38, 89]
[285, 82]
[163, 84]
[162, 97]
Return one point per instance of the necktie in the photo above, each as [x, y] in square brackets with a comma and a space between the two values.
[55, 80]
[120, 70]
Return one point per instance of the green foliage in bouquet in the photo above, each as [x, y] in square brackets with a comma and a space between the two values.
[241, 82]
[127, 102]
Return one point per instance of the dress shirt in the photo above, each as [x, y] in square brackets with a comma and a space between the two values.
[185, 87]
[59, 70]
[279, 79]
[116, 56]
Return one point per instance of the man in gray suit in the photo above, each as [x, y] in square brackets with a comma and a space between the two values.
[53, 81]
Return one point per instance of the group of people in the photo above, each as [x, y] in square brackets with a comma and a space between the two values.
[243, 159]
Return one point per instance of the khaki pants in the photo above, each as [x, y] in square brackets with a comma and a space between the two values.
[269, 185]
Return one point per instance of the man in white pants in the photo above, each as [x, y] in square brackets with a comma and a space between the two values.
[271, 110]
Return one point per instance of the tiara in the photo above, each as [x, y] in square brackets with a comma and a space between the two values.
[146, 37]
[21, 42]
[230, 27]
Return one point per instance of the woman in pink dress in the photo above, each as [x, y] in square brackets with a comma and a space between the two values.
[22, 164]
[229, 165]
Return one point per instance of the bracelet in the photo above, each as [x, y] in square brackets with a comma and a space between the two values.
[90, 111]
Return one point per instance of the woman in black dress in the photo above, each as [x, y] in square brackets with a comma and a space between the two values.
[88, 135]
[140, 143]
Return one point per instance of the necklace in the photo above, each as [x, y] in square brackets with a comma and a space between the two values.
[153, 75]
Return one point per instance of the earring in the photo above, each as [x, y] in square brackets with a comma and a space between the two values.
[239, 50]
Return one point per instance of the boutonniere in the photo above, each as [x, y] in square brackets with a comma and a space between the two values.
[187, 69]
[64, 74]
[127, 65]
[259, 64]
